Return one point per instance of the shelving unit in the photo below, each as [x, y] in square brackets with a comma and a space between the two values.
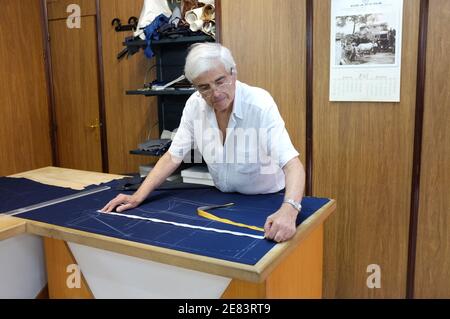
[170, 57]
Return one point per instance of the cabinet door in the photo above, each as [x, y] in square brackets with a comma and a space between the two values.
[76, 93]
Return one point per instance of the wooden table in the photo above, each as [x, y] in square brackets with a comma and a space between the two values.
[290, 270]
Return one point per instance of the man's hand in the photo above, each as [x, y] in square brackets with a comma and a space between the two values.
[122, 202]
[280, 226]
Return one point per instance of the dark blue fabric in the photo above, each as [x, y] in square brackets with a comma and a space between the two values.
[21, 192]
[178, 206]
[151, 33]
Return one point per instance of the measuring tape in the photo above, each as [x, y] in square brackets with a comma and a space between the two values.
[202, 211]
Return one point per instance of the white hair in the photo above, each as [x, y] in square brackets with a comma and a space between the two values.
[203, 57]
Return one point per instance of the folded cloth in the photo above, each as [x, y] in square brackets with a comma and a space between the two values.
[151, 10]
[151, 33]
[176, 17]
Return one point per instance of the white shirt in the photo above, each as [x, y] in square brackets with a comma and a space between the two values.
[256, 147]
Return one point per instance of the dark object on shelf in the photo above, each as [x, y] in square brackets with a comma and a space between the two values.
[134, 44]
[169, 31]
[133, 183]
[198, 37]
[129, 50]
[131, 26]
[151, 33]
[158, 146]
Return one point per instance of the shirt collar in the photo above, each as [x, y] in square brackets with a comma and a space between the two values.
[237, 106]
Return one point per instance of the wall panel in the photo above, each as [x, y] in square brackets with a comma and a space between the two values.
[267, 39]
[24, 113]
[432, 278]
[363, 159]
[129, 119]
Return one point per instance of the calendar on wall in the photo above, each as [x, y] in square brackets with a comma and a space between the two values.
[365, 50]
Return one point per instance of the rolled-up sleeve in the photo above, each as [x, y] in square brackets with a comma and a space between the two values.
[183, 140]
[279, 144]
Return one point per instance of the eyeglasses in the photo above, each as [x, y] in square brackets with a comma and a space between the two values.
[220, 84]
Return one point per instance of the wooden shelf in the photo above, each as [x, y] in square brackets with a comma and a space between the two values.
[169, 41]
[148, 92]
[145, 153]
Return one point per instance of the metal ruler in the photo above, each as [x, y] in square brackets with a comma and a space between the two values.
[56, 201]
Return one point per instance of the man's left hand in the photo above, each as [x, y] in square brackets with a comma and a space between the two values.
[280, 226]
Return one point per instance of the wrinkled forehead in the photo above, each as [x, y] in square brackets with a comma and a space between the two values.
[211, 75]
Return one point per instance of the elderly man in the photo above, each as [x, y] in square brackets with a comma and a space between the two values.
[221, 112]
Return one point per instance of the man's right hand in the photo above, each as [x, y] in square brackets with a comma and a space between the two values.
[165, 166]
[121, 202]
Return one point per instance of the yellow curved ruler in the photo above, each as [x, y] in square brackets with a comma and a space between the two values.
[201, 211]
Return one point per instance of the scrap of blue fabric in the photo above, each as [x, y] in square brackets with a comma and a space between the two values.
[179, 206]
[21, 192]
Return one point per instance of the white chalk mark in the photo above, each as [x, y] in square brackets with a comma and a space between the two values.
[155, 220]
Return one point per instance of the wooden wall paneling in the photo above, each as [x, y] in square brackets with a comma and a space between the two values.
[417, 153]
[24, 115]
[309, 129]
[57, 9]
[432, 277]
[267, 39]
[49, 79]
[129, 118]
[363, 159]
[76, 93]
[101, 90]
